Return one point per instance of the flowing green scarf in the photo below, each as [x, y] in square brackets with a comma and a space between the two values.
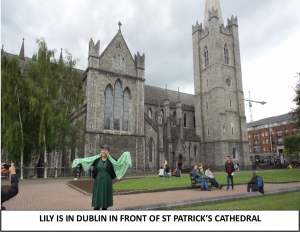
[120, 166]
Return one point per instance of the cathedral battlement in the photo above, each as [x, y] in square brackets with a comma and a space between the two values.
[213, 13]
[225, 30]
[203, 33]
[197, 27]
[94, 50]
[232, 21]
[139, 60]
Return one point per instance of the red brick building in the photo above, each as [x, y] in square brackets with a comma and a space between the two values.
[266, 137]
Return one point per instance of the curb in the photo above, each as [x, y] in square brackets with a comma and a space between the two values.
[204, 201]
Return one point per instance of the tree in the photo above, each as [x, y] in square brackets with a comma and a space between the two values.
[14, 95]
[40, 111]
[292, 145]
[69, 130]
[296, 111]
[58, 93]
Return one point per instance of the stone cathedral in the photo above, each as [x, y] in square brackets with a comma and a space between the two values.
[153, 123]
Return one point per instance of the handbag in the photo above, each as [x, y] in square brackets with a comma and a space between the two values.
[167, 168]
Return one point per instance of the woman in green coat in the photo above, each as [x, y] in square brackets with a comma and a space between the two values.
[103, 173]
[105, 168]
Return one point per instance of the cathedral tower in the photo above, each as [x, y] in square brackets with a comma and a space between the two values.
[219, 99]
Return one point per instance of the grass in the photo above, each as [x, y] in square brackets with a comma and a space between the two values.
[155, 182]
[288, 201]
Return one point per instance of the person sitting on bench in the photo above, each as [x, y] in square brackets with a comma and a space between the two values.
[212, 179]
[199, 179]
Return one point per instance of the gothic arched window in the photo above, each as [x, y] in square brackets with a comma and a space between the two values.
[195, 153]
[194, 121]
[149, 113]
[226, 56]
[126, 101]
[206, 59]
[184, 120]
[107, 109]
[174, 115]
[234, 153]
[117, 105]
[151, 149]
[162, 112]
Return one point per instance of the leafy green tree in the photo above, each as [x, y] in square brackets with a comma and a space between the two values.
[41, 111]
[69, 130]
[14, 95]
[296, 111]
[43, 71]
[292, 145]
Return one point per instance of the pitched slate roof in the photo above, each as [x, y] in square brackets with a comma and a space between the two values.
[157, 95]
[273, 119]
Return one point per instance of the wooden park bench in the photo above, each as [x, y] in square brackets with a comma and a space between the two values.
[194, 183]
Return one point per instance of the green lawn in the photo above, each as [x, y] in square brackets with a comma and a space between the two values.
[288, 201]
[155, 182]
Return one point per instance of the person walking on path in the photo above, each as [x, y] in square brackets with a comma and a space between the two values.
[229, 168]
[105, 168]
[166, 169]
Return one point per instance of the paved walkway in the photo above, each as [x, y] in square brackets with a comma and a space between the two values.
[55, 194]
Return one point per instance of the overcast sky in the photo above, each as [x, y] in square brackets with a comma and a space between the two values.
[269, 33]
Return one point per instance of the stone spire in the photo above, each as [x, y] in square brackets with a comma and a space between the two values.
[22, 52]
[166, 93]
[60, 57]
[178, 96]
[212, 8]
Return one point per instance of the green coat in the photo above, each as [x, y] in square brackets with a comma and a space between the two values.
[103, 190]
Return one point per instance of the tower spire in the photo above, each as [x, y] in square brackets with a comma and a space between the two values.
[60, 57]
[22, 53]
[215, 7]
[178, 96]
[166, 93]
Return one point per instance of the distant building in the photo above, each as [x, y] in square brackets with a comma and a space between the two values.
[266, 137]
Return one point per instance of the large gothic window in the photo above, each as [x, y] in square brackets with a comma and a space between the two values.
[108, 104]
[151, 149]
[149, 113]
[234, 153]
[184, 120]
[206, 59]
[174, 115]
[117, 105]
[226, 56]
[126, 101]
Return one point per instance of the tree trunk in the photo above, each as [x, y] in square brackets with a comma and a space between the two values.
[57, 158]
[35, 159]
[22, 133]
[45, 157]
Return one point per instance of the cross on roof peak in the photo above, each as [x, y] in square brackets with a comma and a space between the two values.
[120, 24]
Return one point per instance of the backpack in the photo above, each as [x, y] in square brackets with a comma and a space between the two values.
[260, 182]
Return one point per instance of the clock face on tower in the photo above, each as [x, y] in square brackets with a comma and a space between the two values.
[228, 81]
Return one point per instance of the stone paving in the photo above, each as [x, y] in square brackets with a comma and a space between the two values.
[55, 194]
